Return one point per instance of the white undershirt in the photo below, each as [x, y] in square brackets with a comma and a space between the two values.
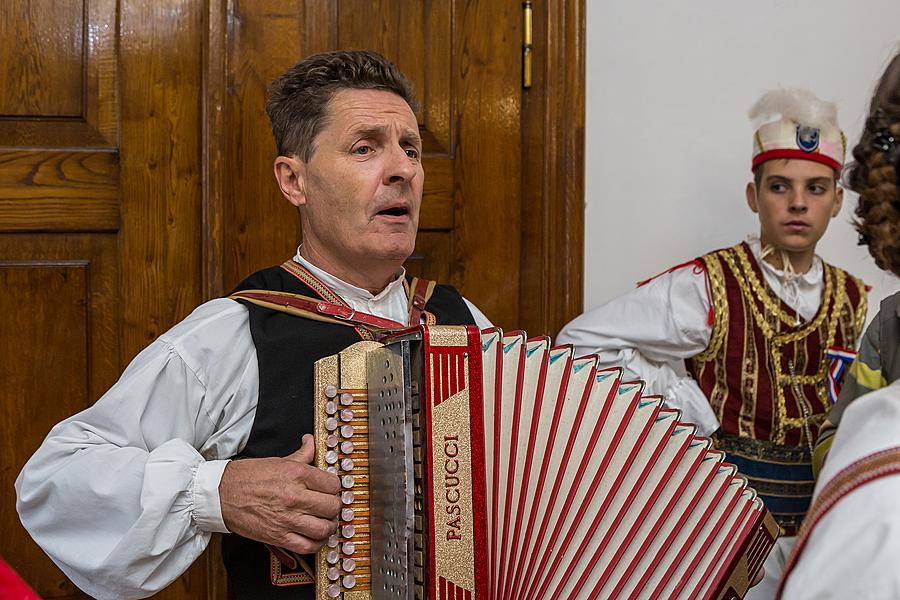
[124, 495]
[651, 330]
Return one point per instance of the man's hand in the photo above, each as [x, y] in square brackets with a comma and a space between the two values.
[286, 501]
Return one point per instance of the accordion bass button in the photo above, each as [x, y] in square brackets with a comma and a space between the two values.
[348, 564]
[348, 548]
[347, 464]
[331, 469]
[348, 531]
[333, 590]
[347, 481]
[331, 441]
[346, 431]
[347, 514]
[330, 407]
[334, 573]
[331, 457]
[330, 391]
[332, 557]
[330, 423]
[346, 415]
[347, 447]
[347, 497]
[349, 581]
[346, 399]
[333, 540]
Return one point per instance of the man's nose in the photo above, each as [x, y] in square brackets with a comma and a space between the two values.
[797, 203]
[400, 168]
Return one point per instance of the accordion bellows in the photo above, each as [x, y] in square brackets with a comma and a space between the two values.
[489, 465]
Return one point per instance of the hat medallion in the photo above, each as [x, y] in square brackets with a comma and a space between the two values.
[807, 138]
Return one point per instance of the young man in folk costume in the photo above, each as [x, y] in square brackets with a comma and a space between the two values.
[124, 495]
[755, 324]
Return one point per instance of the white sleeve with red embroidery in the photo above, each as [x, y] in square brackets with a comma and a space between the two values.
[123, 496]
[649, 331]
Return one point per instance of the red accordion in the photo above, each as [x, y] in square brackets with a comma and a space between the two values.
[479, 465]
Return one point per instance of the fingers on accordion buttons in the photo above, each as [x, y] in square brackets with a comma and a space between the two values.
[332, 469]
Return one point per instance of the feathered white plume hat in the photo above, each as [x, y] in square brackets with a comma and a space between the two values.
[795, 123]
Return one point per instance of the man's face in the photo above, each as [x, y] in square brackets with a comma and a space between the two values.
[360, 193]
[795, 200]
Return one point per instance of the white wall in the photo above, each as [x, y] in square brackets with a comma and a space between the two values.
[668, 142]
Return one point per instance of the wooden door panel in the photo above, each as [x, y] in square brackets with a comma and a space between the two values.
[59, 339]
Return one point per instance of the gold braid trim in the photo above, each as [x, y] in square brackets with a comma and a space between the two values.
[716, 280]
[863, 307]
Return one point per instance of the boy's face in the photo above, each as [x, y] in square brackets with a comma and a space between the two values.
[795, 200]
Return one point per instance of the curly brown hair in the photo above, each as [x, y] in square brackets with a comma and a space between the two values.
[298, 99]
[874, 173]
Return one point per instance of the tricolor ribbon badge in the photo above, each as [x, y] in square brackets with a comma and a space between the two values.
[838, 360]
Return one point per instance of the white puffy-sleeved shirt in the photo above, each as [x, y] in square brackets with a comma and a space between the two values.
[123, 496]
[854, 549]
[652, 329]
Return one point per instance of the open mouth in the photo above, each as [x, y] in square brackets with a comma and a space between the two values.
[395, 211]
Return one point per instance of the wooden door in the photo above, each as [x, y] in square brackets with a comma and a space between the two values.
[136, 182]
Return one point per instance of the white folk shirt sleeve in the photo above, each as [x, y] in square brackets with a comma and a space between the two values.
[852, 551]
[123, 496]
[649, 332]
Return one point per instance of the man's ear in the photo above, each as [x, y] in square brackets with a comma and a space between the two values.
[290, 173]
[838, 201]
[751, 197]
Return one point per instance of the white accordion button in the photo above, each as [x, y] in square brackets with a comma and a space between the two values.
[333, 540]
[346, 415]
[333, 590]
[347, 514]
[330, 423]
[349, 581]
[331, 457]
[348, 547]
[346, 399]
[347, 464]
[346, 447]
[330, 407]
[346, 430]
[347, 481]
[332, 557]
[331, 469]
[331, 441]
[348, 531]
[333, 573]
[348, 564]
[330, 391]
[347, 497]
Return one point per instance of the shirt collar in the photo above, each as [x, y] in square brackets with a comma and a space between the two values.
[348, 291]
[812, 277]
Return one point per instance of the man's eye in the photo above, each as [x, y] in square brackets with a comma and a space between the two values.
[362, 150]
[778, 187]
[412, 153]
[817, 189]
